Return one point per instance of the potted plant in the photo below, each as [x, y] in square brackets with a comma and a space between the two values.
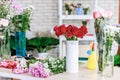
[79, 9]
[86, 8]
[21, 23]
[69, 7]
[42, 44]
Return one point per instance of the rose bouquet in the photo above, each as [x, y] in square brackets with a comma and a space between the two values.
[71, 32]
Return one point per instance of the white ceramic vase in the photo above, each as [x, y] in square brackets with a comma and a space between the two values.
[72, 50]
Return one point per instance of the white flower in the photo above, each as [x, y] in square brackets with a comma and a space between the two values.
[4, 22]
[45, 65]
[23, 63]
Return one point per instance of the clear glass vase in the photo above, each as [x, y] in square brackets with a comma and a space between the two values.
[5, 53]
[106, 52]
[106, 64]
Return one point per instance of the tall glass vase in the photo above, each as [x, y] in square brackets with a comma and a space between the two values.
[20, 42]
[5, 53]
[106, 52]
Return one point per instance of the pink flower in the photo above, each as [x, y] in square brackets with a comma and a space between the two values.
[108, 14]
[11, 1]
[18, 8]
[97, 14]
[38, 71]
[4, 22]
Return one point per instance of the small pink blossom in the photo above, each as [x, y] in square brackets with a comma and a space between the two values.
[4, 22]
[18, 8]
[11, 1]
[38, 71]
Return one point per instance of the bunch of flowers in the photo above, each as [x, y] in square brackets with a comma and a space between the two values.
[86, 8]
[5, 8]
[38, 70]
[104, 40]
[71, 32]
[22, 17]
[8, 64]
[20, 70]
[4, 14]
[101, 18]
[52, 65]
[69, 7]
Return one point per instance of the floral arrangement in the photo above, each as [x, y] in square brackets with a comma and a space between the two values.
[38, 70]
[71, 32]
[86, 8]
[104, 38]
[8, 64]
[4, 14]
[5, 8]
[69, 7]
[53, 64]
[101, 18]
[36, 67]
[22, 17]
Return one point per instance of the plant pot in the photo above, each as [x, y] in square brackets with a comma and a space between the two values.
[72, 49]
[42, 56]
[79, 11]
[118, 50]
[20, 43]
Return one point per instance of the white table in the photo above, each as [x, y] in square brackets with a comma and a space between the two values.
[83, 74]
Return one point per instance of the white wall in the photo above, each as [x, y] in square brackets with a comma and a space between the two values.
[46, 12]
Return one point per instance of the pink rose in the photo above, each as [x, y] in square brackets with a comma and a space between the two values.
[97, 14]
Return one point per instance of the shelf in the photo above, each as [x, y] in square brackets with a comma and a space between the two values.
[75, 17]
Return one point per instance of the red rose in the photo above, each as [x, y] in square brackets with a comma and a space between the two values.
[74, 30]
[84, 29]
[80, 33]
[69, 35]
[69, 28]
[60, 30]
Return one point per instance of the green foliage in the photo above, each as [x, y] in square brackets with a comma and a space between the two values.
[117, 60]
[55, 65]
[4, 8]
[39, 43]
[21, 21]
[117, 37]
[42, 44]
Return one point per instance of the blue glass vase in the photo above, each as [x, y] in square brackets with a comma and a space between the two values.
[20, 42]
